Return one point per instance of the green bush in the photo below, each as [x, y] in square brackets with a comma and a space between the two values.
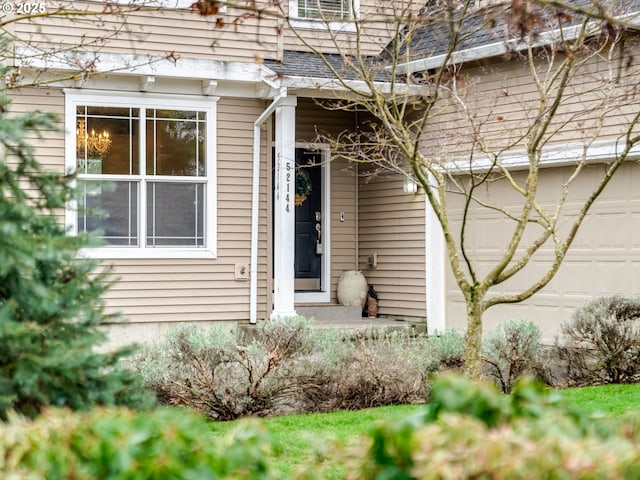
[116, 444]
[446, 351]
[51, 308]
[601, 341]
[510, 350]
[473, 431]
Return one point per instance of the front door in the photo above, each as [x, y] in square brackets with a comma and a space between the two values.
[309, 236]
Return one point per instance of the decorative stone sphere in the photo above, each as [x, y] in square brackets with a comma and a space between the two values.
[352, 288]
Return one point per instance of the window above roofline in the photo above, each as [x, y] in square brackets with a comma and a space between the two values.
[346, 25]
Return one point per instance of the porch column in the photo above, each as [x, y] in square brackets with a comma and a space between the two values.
[284, 209]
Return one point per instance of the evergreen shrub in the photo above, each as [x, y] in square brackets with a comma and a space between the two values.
[473, 431]
[118, 444]
[51, 307]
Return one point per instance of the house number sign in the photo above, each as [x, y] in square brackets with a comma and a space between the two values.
[288, 176]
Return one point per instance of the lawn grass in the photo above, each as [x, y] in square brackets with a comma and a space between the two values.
[297, 437]
[609, 400]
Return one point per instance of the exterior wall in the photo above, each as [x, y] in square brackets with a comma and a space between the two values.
[391, 224]
[179, 290]
[604, 259]
[179, 32]
[312, 119]
[154, 291]
[375, 31]
[503, 101]
[49, 148]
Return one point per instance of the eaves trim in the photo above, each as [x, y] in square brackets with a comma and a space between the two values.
[146, 65]
[557, 156]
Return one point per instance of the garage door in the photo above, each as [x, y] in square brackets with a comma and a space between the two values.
[604, 259]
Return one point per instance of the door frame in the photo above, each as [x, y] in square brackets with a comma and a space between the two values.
[324, 294]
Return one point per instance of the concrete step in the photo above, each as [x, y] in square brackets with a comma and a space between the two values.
[356, 328]
[329, 312]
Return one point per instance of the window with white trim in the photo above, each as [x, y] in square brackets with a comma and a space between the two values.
[144, 175]
[332, 10]
[332, 14]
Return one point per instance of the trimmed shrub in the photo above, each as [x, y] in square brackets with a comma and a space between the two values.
[510, 350]
[286, 367]
[222, 373]
[601, 341]
[380, 367]
[446, 351]
[117, 444]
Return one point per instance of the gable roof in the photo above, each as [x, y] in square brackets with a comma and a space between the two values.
[484, 33]
[297, 64]
[489, 32]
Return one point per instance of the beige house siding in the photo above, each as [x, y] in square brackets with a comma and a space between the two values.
[503, 100]
[181, 32]
[604, 259]
[392, 225]
[171, 290]
[49, 146]
[206, 289]
[376, 30]
[312, 119]
[154, 32]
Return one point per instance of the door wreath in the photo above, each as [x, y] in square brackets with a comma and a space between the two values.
[304, 187]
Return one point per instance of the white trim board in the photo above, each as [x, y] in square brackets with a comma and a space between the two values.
[435, 272]
[324, 295]
[154, 65]
[557, 156]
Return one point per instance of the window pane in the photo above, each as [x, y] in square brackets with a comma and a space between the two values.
[107, 140]
[112, 208]
[327, 9]
[175, 214]
[175, 143]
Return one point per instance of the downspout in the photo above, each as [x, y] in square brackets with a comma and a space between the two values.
[255, 204]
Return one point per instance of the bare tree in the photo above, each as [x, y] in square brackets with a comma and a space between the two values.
[414, 68]
[429, 119]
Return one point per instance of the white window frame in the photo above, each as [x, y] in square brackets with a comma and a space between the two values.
[319, 24]
[205, 104]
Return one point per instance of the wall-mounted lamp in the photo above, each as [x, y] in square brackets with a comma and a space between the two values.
[409, 186]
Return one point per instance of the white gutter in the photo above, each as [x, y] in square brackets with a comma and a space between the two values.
[255, 201]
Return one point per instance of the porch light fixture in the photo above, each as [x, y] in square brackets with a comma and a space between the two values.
[94, 143]
[409, 186]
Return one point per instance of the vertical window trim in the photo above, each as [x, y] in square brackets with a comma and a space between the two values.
[74, 98]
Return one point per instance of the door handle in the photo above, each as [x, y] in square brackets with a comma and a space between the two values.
[318, 239]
